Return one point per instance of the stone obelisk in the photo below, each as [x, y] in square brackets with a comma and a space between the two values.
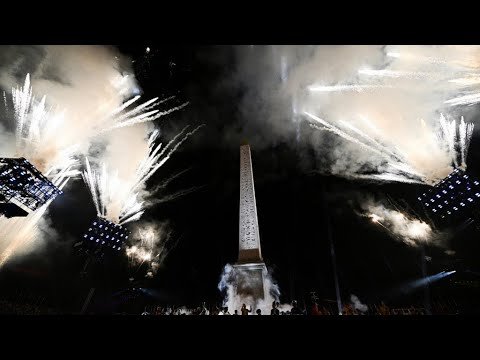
[250, 268]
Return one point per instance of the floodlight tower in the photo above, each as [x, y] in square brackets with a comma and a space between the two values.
[452, 200]
[23, 189]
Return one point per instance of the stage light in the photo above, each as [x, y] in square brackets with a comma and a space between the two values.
[108, 237]
[23, 188]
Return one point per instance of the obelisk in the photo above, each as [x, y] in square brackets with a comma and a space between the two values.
[250, 269]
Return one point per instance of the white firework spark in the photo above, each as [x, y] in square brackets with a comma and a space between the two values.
[108, 190]
[421, 81]
[473, 79]
[142, 113]
[38, 128]
[150, 244]
[449, 134]
[340, 88]
[37, 132]
[332, 128]
[388, 177]
[392, 158]
[394, 73]
[444, 140]
[466, 132]
[49, 139]
[416, 57]
[400, 225]
[365, 136]
[469, 100]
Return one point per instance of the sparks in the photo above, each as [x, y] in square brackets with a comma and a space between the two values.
[469, 100]
[394, 74]
[375, 218]
[340, 88]
[109, 192]
[444, 140]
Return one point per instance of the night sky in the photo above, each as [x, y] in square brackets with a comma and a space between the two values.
[295, 204]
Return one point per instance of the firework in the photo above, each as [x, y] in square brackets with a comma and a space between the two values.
[400, 225]
[394, 74]
[341, 88]
[150, 244]
[449, 139]
[110, 192]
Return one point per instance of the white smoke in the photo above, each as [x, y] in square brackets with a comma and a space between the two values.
[82, 85]
[400, 225]
[357, 304]
[77, 92]
[232, 278]
[122, 162]
[7, 143]
[394, 96]
[150, 244]
[183, 311]
[119, 191]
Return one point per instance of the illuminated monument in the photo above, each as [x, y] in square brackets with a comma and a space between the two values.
[250, 270]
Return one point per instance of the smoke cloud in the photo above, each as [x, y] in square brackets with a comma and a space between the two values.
[233, 278]
[151, 242]
[389, 98]
[402, 226]
[70, 97]
[82, 85]
[357, 304]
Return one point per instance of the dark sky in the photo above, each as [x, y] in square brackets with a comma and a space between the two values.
[294, 202]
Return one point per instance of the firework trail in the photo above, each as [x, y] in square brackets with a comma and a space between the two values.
[38, 127]
[445, 139]
[151, 243]
[340, 88]
[466, 132]
[388, 177]
[410, 56]
[140, 114]
[341, 133]
[109, 191]
[391, 157]
[470, 99]
[394, 74]
[400, 225]
[39, 131]
[382, 91]
[368, 138]
[373, 97]
[92, 96]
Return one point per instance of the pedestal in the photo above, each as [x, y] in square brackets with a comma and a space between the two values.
[250, 281]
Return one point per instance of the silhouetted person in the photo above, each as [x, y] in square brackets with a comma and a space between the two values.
[204, 309]
[244, 310]
[236, 312]
[225, 311]
[295, 309]
[275, 310]
[259, 312]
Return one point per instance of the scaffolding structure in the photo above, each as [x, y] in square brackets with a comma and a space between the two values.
[23, 188]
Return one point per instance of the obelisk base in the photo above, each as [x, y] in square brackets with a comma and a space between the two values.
[250, 282]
